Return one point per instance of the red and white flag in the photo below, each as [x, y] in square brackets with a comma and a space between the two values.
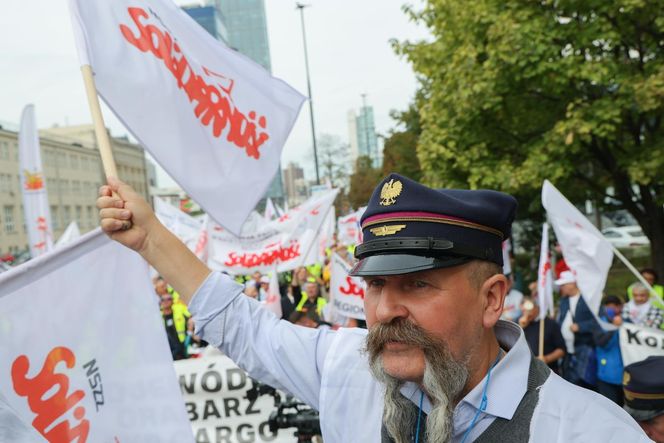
[346, 292]
[545, 276]
[33, 186]
[348, 228]
[181, 224]
[273, 301]
[292, 240]
[85, 357]
[212, 118]
[586, 251]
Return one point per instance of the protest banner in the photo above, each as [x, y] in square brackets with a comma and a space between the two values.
[348, 228]
[215, 120]
[587, 253]
[288, 242]
[84, 353]
[346, 292]
[640, 342]
[219, 401]
[181, 224]
[33, 186]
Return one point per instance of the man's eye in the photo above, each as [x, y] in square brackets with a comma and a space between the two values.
[421, 284]
[375, 282]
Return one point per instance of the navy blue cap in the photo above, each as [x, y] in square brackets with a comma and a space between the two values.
[643, 385]
[408, 227]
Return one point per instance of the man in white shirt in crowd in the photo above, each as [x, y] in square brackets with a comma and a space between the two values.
[436, 365]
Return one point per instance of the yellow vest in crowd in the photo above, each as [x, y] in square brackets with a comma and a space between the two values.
[320, 303]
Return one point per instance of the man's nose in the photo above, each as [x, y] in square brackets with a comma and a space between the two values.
[390, 305]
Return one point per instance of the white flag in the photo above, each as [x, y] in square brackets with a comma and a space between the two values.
[181, 224]
[212, 118]
[586, 251]
[348, 228]
[288, 242]
[85, 355]
[33, 186]
[545, 277]
[71, 233]
[270, 210]
[280, 211]
[346, 292]
[273, 300]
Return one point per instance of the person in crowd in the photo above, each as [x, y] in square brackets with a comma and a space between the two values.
[250, 290]
[263, 288]
[607, 349]
[553, 344]
[175, 318]
[643, 385]
[312, 299]
[577, 325]
[640, 310]
[512, 307]
[436, 364]
[288, 303]
[650, 276]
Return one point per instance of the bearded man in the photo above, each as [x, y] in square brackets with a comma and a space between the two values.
[436, 365]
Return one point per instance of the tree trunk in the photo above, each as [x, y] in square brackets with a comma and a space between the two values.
[657, 244]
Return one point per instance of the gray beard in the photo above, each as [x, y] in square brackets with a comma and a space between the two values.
[443, 381]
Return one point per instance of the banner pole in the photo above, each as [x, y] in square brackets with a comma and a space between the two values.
[636, 273]
[304, 257]
[101, 135]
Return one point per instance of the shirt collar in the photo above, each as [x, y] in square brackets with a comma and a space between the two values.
[509, 378]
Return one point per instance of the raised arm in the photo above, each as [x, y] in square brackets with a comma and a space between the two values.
[127, 218]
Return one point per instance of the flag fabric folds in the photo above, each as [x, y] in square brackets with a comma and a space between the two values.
[587, 253]
[212, 118]
[33, 186]
[545, 277]
[84, 352]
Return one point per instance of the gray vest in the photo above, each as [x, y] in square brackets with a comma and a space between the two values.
[516, 430]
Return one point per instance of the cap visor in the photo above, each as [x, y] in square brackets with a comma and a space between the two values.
[643, 414]
[393, 264]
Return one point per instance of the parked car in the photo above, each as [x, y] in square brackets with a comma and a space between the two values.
[626, 236]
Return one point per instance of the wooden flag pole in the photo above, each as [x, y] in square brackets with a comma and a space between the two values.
[101, 135]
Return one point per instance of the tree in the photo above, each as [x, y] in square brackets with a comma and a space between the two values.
[332, 159]
[399, 152]
[516, 91]
[363, 181]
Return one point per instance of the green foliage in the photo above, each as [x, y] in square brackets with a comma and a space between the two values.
[399, 152]
[363, 181]
[518, 91]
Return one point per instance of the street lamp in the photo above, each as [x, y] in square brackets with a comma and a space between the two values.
[301, 7]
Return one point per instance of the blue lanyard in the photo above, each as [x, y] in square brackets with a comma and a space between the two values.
[483, 403]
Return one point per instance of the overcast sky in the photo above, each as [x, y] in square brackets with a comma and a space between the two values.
[349, 54]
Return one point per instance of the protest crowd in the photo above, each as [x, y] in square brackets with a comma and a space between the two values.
[419, 310]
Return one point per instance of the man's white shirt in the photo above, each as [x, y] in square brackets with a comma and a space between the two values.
[329, 371]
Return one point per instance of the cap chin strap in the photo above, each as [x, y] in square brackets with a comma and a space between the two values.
[421, 245]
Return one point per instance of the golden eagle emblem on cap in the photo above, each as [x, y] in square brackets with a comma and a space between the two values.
[390, 192]
[386, 230]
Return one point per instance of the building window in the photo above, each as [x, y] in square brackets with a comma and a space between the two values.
[79, 215]
[91, 219]
[67, 215]
[4, 150]
[73, 161]
[55, 220]
[85, 163]
[64, 186]
[9, 219]
[76, 187]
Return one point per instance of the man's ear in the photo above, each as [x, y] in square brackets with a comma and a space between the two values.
[493, 292]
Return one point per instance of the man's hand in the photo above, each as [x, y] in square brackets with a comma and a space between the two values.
[574, 327]
[125, 216]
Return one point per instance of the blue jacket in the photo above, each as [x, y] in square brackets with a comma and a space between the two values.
[609, 360]
[582, 317]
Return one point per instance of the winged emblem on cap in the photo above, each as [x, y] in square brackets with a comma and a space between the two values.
[386, 230]
[390, 192]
